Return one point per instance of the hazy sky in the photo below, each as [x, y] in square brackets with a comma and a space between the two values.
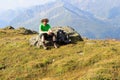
[13, 4]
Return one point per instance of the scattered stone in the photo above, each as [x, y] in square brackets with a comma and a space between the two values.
[80, 52]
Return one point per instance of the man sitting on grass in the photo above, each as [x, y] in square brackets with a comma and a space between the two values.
[46, 32]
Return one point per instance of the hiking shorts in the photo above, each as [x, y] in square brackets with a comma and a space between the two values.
[46, 36]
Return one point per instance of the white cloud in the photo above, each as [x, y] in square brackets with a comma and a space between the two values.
[13, 4]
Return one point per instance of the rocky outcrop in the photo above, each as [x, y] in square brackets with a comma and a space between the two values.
[74, 36]
[25, 31]
[20, 30]
[8, 27]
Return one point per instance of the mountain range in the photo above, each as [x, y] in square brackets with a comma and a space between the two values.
[91, 18]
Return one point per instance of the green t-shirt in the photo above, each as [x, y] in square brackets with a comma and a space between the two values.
[44, 27]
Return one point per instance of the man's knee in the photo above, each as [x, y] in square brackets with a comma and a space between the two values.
[43, 35]
[53, 37]
[53, 34]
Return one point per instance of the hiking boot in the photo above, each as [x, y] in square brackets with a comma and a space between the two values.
[45, 48]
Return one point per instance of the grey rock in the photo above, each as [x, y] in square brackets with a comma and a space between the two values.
[35, 41]
[74, 36]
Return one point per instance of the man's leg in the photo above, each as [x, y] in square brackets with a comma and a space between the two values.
[43, 36]
[54, 40]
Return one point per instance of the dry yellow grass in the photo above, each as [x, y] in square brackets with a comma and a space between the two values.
[88, 60]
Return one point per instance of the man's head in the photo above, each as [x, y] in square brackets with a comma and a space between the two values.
[45, 21]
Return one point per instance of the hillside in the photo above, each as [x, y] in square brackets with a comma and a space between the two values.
[88, 60]
[60, 13]
[100, 9]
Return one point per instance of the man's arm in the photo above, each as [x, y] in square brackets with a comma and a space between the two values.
[40, 31]
[43, 32]
[50, 30]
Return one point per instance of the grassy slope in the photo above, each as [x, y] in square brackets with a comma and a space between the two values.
[88, 60]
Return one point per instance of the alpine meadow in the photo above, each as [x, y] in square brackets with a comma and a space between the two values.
[88, 49]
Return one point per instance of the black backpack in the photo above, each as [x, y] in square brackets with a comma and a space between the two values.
[63, 37]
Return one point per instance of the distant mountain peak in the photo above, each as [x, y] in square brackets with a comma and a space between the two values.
[79, 14]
